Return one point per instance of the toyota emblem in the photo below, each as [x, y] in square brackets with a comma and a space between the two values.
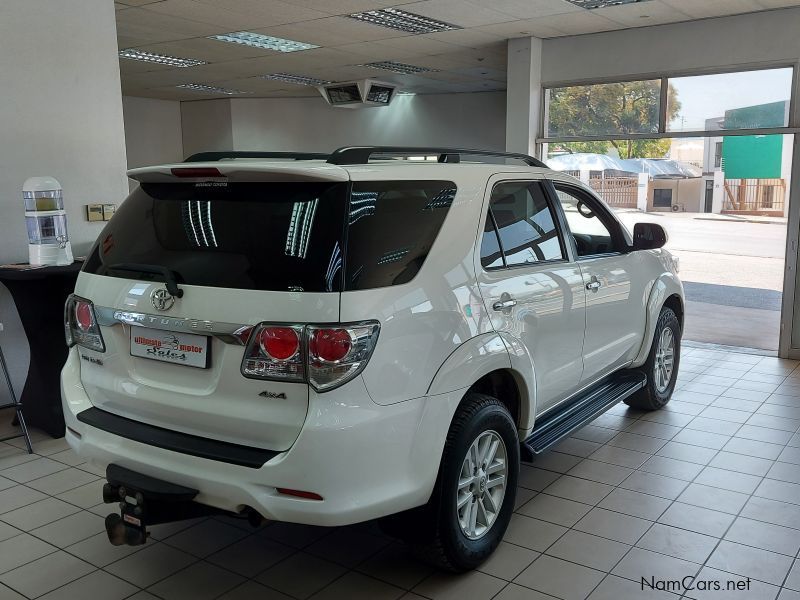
[162, 299]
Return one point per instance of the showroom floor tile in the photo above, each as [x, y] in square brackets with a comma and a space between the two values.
[709, 487]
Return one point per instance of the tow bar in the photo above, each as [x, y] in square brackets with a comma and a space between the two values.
[144, 501]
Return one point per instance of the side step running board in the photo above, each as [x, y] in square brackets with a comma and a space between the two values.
[580, 411]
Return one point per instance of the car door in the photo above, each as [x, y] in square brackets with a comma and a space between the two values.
[615, 285]
[531, 286]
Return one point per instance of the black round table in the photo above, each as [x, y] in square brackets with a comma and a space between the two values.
[39, 295]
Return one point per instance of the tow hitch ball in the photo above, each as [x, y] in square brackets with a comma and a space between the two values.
[128, 527]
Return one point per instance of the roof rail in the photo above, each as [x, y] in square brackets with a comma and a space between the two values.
[225, 154]
[360, 155]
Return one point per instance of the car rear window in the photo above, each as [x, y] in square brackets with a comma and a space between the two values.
[275, 236]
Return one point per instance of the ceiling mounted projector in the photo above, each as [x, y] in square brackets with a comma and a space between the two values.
[356, 94]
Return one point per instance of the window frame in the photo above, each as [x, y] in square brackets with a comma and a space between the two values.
[605, 216]
[792, 127]
[567, 248]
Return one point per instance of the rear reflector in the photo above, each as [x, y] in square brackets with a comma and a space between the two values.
[196, 172]
[299, 494]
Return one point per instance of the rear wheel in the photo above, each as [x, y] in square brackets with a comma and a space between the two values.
[471, 505]
[661, 367]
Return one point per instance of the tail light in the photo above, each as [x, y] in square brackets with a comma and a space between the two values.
[324, 356]
[337, 355]
[275, 352]
[80, 324]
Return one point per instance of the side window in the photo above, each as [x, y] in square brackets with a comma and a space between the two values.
[391, 228]
[523, 223]
[591, 235]
[491, 255]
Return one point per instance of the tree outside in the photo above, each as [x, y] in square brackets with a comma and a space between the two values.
[608, 109]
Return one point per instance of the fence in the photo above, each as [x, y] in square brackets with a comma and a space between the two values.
[618, 192]
[761, 196]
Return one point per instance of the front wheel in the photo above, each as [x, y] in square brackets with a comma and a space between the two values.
[472, 503]
[661, 367]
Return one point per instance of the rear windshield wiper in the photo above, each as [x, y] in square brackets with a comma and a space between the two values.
[169, 276]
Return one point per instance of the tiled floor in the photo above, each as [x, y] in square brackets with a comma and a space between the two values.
[710, 486]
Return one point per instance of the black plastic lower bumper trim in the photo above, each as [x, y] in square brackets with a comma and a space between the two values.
[244, 456]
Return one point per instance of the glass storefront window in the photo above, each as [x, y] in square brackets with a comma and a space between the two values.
[742, 100]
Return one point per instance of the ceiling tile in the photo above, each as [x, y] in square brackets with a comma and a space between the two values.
[525, 9]
[458, 12]
[578, 23]
[142, 19]
[778, 3]
[207, 50]
[224, 18]
[419, 45]
[278, 12]
[713, 8]
[137, 2]
[333, 31]
[522, 28]
[641, 14]
[470, 38]
[346, 7]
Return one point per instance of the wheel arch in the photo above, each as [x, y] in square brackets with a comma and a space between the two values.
[495, 364]
[667, 291]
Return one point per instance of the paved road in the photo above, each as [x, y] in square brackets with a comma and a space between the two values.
[733, 273]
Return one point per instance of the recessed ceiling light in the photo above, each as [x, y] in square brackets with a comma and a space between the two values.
[210, 89]
[590, 4]
[396, 67]
[298, 79]
[160, 59]
[266, 42]
[401, 20]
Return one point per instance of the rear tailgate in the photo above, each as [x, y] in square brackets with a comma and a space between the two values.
[243, 252]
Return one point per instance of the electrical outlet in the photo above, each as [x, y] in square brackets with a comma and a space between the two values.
[108, 211]
[94, 212]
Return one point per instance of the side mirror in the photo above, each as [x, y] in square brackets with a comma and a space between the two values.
[648, 236]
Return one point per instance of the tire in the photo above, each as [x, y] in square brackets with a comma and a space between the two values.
[434, 531]
[660, 380]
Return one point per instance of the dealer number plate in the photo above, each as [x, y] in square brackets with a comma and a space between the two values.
[172, 347]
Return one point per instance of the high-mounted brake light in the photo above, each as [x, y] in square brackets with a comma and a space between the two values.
[80, 324]
[326, 357]
[196, 172]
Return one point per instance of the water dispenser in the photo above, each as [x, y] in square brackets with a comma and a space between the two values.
[48, 239]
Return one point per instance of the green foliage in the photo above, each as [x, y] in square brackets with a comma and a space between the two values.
[608, 109]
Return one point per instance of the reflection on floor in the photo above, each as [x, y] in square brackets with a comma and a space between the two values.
[708, 487]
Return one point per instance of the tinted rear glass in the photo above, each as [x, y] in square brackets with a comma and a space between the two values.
[275, 236]
[392, 226]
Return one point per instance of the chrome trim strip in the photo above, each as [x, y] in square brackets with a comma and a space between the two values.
[230, 333]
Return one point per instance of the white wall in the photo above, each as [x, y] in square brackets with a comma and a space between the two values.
[206, 125]
[60, 115]
[310, 124]
[153, 132]
[751, 39]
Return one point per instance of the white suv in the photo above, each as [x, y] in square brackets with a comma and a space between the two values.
[333, 339]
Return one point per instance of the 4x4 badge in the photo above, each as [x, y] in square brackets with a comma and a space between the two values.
[268, 394]
[162, 299]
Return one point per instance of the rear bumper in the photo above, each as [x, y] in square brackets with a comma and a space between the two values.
[365, 460]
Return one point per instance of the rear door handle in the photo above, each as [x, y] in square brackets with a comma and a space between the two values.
[593, 285]
[504, 304]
